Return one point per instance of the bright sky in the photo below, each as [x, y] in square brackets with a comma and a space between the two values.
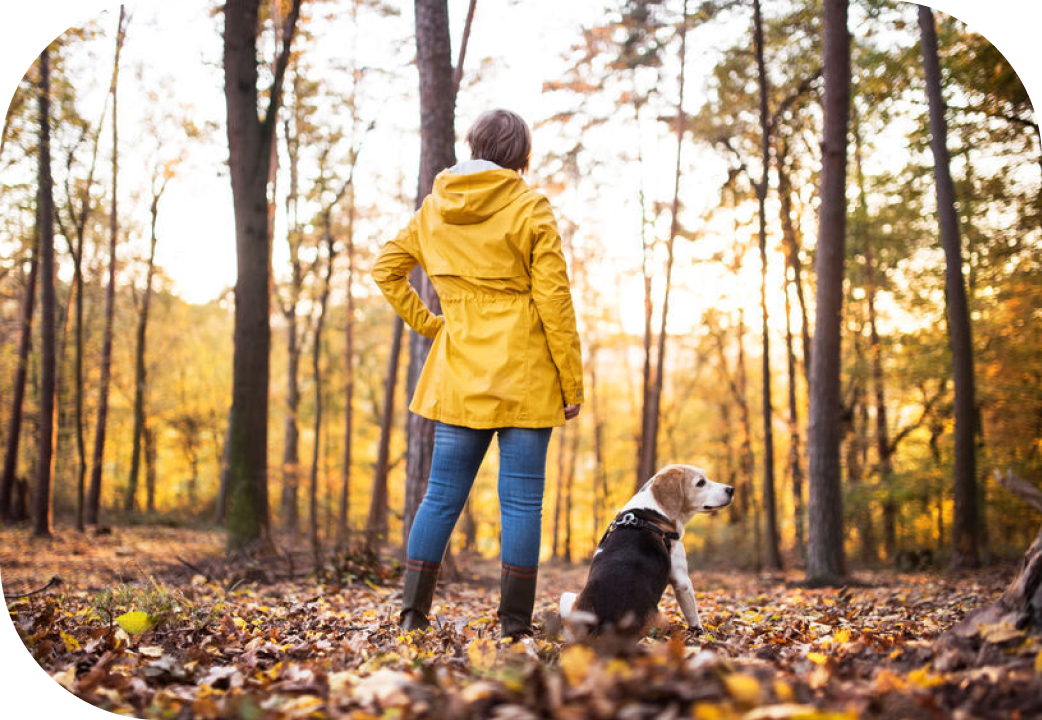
[174, 49]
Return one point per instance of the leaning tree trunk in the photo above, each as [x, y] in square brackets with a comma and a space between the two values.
[41, 509]
[825, 559]
[772, 554]
[14, 427]
[965, 531]
[97, 467]
[249, 143]
[437, 152]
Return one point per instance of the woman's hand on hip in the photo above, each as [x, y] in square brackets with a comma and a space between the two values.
[571, 411]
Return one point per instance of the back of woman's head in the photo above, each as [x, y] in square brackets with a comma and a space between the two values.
[502, 137]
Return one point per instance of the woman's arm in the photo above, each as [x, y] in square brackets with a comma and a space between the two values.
[391, 271]
[553, 302]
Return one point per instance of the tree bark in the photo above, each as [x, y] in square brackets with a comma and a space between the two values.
[41, 508]
[98, 459]
[437, 152]
[14, 427]
[772, 554]
[965, 530]
[825, 556]
[249, 142]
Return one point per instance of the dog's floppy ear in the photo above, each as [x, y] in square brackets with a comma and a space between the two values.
[668, 490]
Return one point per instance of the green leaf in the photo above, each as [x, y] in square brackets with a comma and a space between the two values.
[136, 622]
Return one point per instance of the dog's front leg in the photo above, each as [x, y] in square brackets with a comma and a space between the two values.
[681, 582]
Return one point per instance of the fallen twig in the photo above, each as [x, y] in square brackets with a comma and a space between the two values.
[53, 582]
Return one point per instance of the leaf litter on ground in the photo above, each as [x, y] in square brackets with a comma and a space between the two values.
[134, 633]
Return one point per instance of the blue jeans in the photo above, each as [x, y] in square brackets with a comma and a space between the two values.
[458, 452]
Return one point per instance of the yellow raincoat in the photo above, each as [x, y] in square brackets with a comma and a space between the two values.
[506, 352]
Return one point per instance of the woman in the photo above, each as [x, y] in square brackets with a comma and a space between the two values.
[505, 358]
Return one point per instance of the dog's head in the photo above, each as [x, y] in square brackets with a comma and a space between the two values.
[683, 490]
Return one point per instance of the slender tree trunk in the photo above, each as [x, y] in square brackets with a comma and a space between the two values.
[139, 364]
[376, 528]
[14, 427]
[316, 370]
[343, 523]
[653, 409]
[151, 451]
[437, 152]
[772, 553]
[965, 530]
[559, 495]
[41, 510]
[289, 505]
[643, 466]
[747, 459]
[600, 474]
[795, 464]
[569, 488]
[792, 262]
[249, 142]
[825, 557]
[97, 468]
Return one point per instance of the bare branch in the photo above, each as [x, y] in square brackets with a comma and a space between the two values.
[1020, 487]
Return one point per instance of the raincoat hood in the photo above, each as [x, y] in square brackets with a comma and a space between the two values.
[472, 191]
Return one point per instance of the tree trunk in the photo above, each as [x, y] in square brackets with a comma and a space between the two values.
[649, 438]
[747, 460]
[376, 527]
[559, 495]
[14, 428]
[249, 143]
[343, 521]
[97, 468]
[795, 463]
[289, 505]
[772, 554]
[139, 362]
[41, 510]
[316, 370]
[437, 152]
[569, 490]
[825, 557]
[965, 530]
[600, 474]
[151, 451]
[644, 470]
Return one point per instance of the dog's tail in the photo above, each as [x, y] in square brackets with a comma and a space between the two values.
[567, 601]
[578, 624]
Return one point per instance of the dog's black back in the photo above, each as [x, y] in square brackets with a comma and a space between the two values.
[627, 578]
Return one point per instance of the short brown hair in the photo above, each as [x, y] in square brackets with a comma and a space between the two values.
[502, 137]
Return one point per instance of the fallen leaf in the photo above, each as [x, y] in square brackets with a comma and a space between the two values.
[136, 622]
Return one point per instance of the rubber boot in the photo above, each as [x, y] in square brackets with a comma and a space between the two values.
[516, 601]
[417, 594]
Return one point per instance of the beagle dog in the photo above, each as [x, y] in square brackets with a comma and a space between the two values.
[640, 552]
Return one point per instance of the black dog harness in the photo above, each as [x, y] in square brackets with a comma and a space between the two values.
[630, 521]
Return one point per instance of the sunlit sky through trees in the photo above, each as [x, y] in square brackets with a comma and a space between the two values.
[172, 70]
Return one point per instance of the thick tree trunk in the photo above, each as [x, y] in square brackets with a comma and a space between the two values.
[249, 142]
[437, 152]
[98, 459]
[41, 507]
[965, 531]
[376, 527]
[825, 557]
[14, 427]
[772, 553]
[139, 364]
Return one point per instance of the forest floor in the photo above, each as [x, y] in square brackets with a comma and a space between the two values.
[154, 622]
